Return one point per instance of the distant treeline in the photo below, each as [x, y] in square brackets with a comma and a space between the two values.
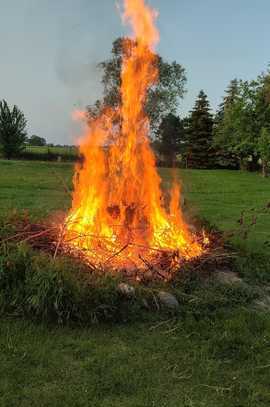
[236, 136]
[50, 153]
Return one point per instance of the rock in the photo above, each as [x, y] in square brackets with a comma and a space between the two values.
[263, 304]
[168, 300]
[126, 290]
[228, 277]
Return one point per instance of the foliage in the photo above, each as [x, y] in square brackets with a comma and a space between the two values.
[199, 134]
[35, 140]
[262, 107]
[163, 98]
[263, 148]
[170, 138]
[241, 118]
[225, 157]
[37, 286]
[229, 126]
[12, 130]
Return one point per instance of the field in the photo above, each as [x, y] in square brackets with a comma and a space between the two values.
[207, 359]
[49, 153]
[55, 150]
[219, 196]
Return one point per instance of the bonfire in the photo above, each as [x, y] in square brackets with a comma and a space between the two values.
[118, 216]
[120, 219]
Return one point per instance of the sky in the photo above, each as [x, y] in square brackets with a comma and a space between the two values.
[50, 50]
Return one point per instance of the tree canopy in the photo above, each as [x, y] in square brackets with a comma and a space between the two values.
[170, 138]
[242, 116]
[35, 140]
[199, 134]
[163, 97]
[12, 130]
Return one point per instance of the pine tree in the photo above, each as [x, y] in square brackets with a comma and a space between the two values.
[232, 93]
[199, 135]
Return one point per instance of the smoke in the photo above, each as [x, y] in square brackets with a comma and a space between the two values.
[87, 44]
[79, 73]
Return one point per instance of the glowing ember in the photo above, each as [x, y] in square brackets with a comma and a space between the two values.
[118, 216]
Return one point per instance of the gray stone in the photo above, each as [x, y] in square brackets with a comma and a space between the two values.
[228, 277]
[168, 300]
[126, 289]
[263, 303]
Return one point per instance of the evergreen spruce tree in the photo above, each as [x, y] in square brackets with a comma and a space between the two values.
[230, 97]
[12, 130]
[199, 135]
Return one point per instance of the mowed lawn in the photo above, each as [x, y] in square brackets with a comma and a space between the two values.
[197, 361]
[218, 195]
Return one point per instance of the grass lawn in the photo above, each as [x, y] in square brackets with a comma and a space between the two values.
[219, 196]
[55, 150]
[221, 359]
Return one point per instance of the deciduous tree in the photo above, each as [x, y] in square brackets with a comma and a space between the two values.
[263, 147]
[163, 97]
[36, 141]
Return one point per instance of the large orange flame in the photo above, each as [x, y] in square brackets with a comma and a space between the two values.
[118, 216]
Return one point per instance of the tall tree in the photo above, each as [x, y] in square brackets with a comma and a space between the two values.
[231, 95]
[262, 107]
[199, 134]
[224, 156]
[263, 148]
[163, 98]
[237, 132]
[170, 138]
[35, 140]
[12, 130]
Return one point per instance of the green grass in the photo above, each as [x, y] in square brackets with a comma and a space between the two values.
[216, 353]
[219, 195]
[55, 150]
[210, 363]
[34, 186]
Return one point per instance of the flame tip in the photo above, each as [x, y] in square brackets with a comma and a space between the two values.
[117, 215]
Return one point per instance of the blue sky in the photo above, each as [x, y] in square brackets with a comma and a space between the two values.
[50, 48]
